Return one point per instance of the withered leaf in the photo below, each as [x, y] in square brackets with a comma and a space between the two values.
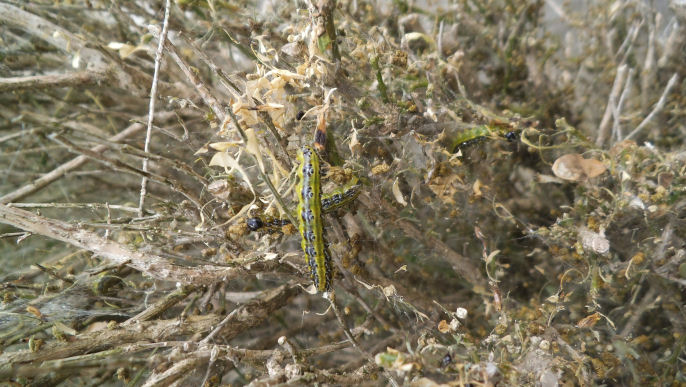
[576, 168]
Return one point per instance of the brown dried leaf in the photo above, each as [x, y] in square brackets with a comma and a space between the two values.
[355, 146]
[34, 311]
[443, 326]
[380, 168]
[223, 146]
[476, 189]
[397, 194]
[588, 321]
[576, 168]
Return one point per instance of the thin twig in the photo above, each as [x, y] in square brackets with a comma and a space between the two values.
[648, 301]
[177, 371]
[253, 312]
[63, 169]
[52, 81]
[617, 112]
[162, 305]
[151, 109]
[119, 165]
[658, 107]
[649, 70]
[152, 265]
[198, 84]
[628, 44]
[604, 127]
[74, 205]
[349, 335]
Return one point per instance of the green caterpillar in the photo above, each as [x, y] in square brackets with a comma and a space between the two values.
[329, 203]
[311, 205]
[480, 133]
[310, 219]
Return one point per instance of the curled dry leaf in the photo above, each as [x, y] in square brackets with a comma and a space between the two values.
[576, 168]
[443, 326]
[380, 168]
[389, 291]
[355, 146]
[397, 194]
[253, 146]
[293, 48]
[596, 242]
[223, 146]
[64, 329]
[418, 40]
[476, 189]
[219, 189]
[225, 160]
[34, 311]
[588, 321]
[125, 50]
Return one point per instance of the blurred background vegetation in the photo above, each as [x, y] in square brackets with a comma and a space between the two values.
[521, 213]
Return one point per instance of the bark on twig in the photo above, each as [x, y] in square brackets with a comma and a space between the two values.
[246, 316]
[149, 264]
[37, 82]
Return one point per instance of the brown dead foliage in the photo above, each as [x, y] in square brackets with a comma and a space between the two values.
[521, 217]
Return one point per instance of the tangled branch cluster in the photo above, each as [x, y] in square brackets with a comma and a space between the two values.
[521, 216]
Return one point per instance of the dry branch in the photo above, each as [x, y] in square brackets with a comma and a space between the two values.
[78, 161]
[246, 316]
[444, 118]
[150, 265]
[36, 82]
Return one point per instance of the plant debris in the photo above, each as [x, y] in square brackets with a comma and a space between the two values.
[517, 169]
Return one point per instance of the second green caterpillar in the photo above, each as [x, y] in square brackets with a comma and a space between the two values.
[330, 202]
